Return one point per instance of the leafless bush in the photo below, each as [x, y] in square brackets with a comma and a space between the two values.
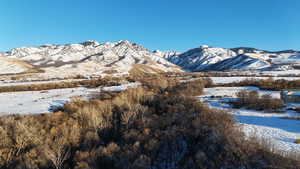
[266, 84]
[107, 81]
[252, 100]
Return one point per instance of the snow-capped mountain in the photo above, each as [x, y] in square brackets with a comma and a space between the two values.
[90, 57]
[199, 59]
[8, 66]
[205, 58]
[240, 62]
[93, 58]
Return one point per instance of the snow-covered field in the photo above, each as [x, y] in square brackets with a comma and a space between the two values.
[35, 102]
[279, 131]
[218, 80]
[7, 83]
[231, 91]
[121, 87]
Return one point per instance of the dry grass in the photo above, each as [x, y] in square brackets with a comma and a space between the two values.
[141, 70]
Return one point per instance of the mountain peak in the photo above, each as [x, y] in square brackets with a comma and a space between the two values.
[90, 43]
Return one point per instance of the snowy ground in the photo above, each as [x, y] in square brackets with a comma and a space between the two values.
[35, 102]
[238, 79]
[274, 127]
[122, 87]
[2, 83]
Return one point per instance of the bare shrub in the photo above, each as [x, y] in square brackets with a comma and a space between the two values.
[266, 84]
[189, 88]
[107, 81]
[252, 100]
[58, 149]
[95, 116]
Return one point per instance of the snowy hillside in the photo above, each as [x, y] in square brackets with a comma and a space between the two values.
[241, 62]
[207, 58]
[200, 58]
[90, 57]
[9, 66]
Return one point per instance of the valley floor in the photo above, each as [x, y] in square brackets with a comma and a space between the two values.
[219, 80]
[281, 132]
[36, 102]
[273, 128]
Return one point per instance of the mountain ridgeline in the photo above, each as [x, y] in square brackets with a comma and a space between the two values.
[93, 58]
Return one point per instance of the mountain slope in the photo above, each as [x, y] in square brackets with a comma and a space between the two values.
[89, 58]
[92, 58]
[207, 58]
[201, 58]
[14, 66]
[240, 62]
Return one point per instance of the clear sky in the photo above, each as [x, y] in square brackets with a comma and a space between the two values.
[155, 24]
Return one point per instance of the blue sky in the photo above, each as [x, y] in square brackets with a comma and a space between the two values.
[156, 24]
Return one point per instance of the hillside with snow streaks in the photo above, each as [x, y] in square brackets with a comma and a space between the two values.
[201, 58]
[12, 66]
[240, 62]
[90, 57]
[205, 58]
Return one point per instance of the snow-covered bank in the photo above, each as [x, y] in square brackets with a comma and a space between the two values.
[279, 131]
[35, 102]
[231, 91]
[121, 87]
[37, 82]
[219, 80]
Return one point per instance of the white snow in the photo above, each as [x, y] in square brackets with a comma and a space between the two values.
[282, 140]
[8, 66]
[36, 102]
[219, 80]
[216, 59]
[8, 83]
[280, 131]
[121, 87]
[87, 58]
[231, 91]
[200, 58]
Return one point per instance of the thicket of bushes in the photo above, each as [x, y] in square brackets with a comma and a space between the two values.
[59, 85]
[266, 84]
[165, 82]
[141, 128]
[252, 100]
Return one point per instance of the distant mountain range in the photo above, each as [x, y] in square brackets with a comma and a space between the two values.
[207, 58]
[94, 58]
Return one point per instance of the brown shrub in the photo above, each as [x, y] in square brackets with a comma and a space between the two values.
[252, 100]
[107, 81]
[266, 84]
[189, 88]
